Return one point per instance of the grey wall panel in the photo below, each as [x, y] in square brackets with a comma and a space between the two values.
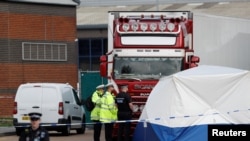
[222, 41]
[144, 2]
[95, 33]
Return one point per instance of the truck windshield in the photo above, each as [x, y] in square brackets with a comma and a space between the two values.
[145, 67]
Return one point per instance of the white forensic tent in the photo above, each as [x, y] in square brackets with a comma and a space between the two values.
[181, 106]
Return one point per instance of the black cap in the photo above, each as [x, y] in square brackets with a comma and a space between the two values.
[35, 115]
[124, 86]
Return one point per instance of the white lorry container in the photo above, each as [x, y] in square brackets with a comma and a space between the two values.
[224, 41]
[59, 104]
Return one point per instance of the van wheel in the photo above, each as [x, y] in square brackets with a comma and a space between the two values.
[66, 130]
[82, 129]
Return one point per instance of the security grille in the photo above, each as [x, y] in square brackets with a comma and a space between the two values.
[44, 51]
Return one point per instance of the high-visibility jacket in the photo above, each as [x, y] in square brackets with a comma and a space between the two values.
[108, 111]
[96, 98]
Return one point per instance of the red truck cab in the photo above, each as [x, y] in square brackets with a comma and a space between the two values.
[145, 46]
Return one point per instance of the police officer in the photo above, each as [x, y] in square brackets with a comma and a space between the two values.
[35, 132]
[125, 108]
[95, 113]
[108, 111]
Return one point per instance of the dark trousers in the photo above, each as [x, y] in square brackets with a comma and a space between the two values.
[108, 131]
[97, 130]
[124, 128]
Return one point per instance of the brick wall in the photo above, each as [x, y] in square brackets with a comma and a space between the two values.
[39, 23]
[6, 107]
[41, 27]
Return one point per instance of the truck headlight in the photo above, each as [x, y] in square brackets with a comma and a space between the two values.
[125, 27]
[162, 26]
[171, 26]
[144, 26]
[135, 26]
[153, 26]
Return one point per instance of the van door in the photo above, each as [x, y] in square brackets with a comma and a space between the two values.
[70, 104]
[28, 100]
[78, 108]
[50, 104]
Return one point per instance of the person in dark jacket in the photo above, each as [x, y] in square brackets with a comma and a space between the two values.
[125, 109]
[35, 132]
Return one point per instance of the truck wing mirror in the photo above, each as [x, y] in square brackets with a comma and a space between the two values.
[103, 58]
[195, 59]
[103, 66]
[103, 69]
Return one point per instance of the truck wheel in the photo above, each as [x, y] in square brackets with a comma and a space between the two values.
[67, 128]
[82, 129]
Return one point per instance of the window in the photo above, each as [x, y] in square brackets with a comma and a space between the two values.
[90, 51]
[76, 97]
[44, 51]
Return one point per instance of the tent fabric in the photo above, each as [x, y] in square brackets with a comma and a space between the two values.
[155, 132]
[182, 105]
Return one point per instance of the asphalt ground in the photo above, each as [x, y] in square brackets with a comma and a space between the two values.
[7, 134]
[8, 131]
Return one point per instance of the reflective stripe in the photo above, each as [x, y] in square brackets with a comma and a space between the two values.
[94, 117]
[110, 106]
[105, 108]
[108, 111]
[107, 119]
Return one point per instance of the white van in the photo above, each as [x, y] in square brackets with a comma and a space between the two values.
[58, 102]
